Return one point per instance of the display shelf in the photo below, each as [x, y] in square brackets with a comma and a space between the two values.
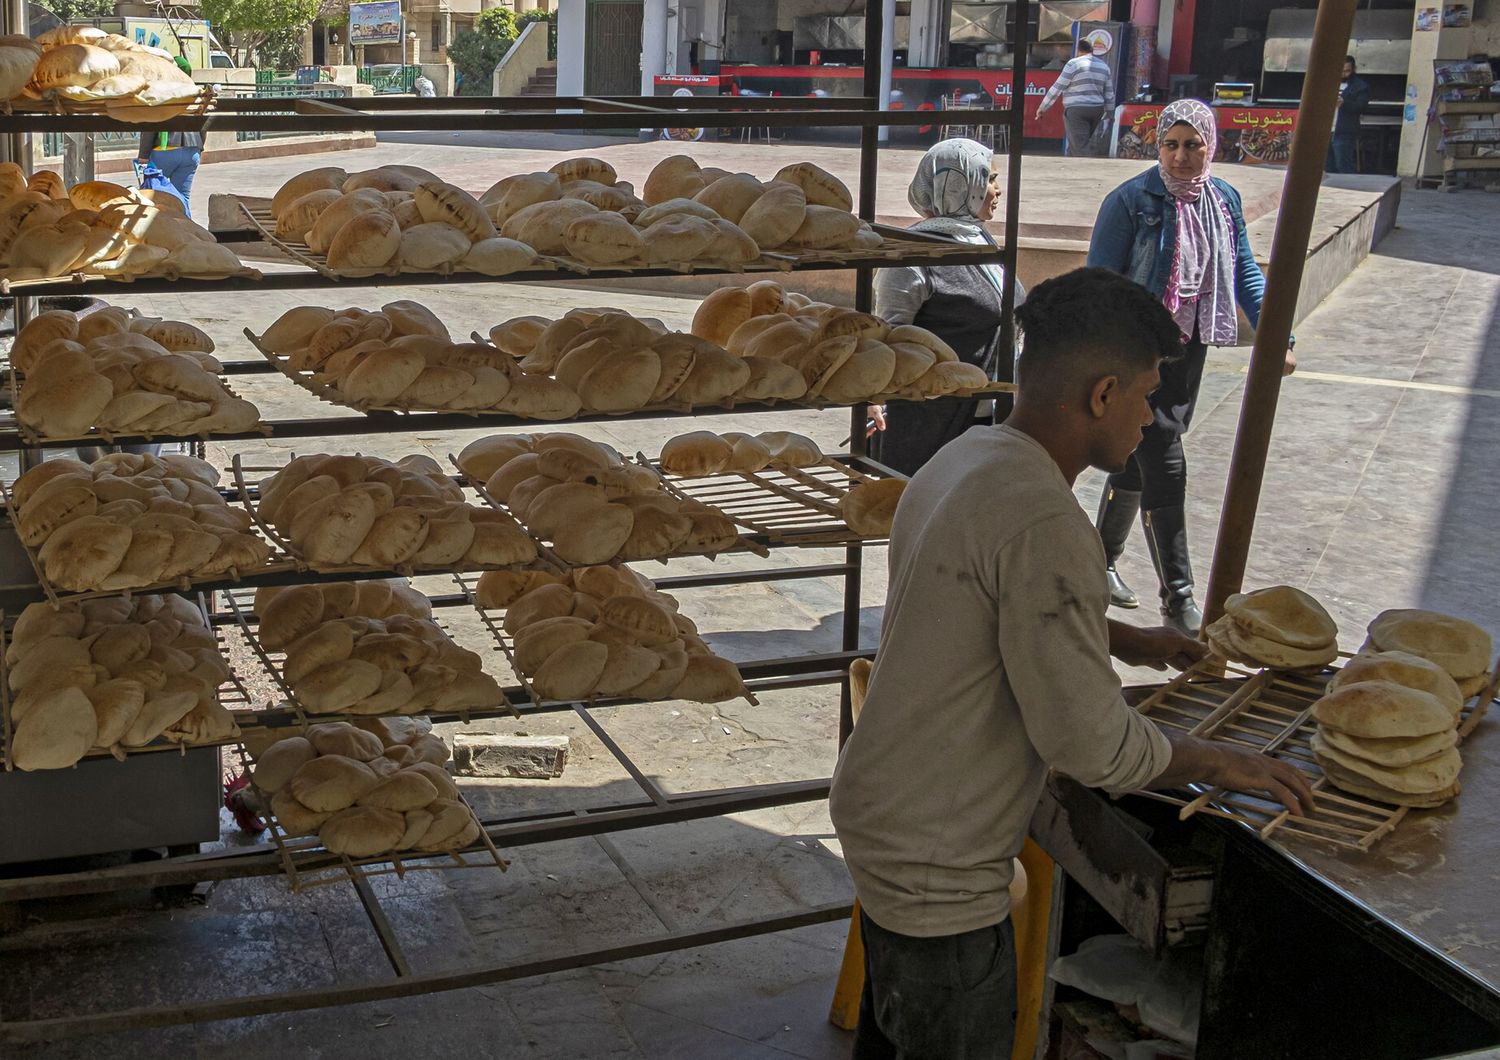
[236, 624]
[497, 114]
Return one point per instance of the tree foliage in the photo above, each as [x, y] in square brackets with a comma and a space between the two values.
[250, 24]
[68, 10]
[476, 52]
[498, 23]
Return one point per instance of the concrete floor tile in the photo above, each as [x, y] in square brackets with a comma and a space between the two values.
[790, 981]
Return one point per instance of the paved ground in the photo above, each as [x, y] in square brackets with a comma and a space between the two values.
[1379, 494]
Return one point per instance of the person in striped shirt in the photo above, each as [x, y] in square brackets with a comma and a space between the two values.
[1087, 88]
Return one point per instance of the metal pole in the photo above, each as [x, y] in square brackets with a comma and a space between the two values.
[1020, 12]
[864, 300]
[1299, 200]
[888, 60]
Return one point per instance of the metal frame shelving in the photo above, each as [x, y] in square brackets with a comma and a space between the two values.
[654, 807]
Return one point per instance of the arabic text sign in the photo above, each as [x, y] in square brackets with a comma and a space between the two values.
[375, 23]
[1252, 135]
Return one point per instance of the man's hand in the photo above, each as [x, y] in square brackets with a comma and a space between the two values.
[1244, 770]
[1291, 362]
[1157, 646]
[1196, 761]
[877, 420]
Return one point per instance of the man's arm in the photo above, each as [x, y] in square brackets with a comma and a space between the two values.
[1235, 768]
[1154, 646]
[1063, 80]
[1357, 98]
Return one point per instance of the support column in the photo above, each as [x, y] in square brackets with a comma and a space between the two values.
[572, 22]
[1419, 155]
[887, 60]
[653, 44]
[1180, 58]
[924, 43]
[1299, 201]
[713, 30]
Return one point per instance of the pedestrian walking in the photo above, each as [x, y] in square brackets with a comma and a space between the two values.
[175, 154]
[1180, 231]
[1354, 97]
[1087, 88]
[956, 190]
[994, 667]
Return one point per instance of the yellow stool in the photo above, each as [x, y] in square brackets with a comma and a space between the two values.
[1030, 914]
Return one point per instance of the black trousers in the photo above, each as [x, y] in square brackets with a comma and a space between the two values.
[952, 997]
[1158, 468]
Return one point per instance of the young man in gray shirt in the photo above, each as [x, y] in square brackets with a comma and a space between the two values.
[994, 666]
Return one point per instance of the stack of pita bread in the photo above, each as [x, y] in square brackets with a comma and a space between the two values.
[119, 374]
[363, 510]
[132, 520]
[591, 505]
[1387, 730]
[605, 631]
[701, 454]
[101, 229]
[391, 220]
[1281, 627]
[366, 791]
[842, 356]
[84, 64]
[1461, 648]
[102, 675]
[369, 648]
[403, 357]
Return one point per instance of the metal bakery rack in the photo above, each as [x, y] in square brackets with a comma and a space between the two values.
[795, 507]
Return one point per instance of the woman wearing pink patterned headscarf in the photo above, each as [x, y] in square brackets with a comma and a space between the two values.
[1180, 231]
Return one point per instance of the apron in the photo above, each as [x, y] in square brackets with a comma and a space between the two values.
[963, 311]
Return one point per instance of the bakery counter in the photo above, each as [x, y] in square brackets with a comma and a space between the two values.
[1309, 949]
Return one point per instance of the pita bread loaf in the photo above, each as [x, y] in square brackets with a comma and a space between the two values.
[1284, 614]
[367, 242]
[696, 455]
[676, 176]
[870, 507]
[1424, 777]
[603, 239]
[1394, 752]
[440, 202]
[1380, 710]
[1458, 646]
[363, 831]
[1399, 668]
[791, 450]
[821, 187]
[1357, 784]
[776, 216]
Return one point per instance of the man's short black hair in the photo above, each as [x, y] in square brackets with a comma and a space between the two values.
[1350, 60]
[1089, 323]
[1085, 45]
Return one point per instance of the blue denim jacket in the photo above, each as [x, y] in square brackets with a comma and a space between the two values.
[1136, 233]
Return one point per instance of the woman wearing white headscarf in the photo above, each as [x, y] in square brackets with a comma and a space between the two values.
[956, 189]
[1179, 231]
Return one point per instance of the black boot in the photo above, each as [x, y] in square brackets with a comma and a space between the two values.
[1166, 535]
[1117, 512]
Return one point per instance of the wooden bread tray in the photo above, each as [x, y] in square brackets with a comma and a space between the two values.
[1270, 712]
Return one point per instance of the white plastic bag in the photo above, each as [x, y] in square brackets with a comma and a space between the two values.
[1166, 991]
